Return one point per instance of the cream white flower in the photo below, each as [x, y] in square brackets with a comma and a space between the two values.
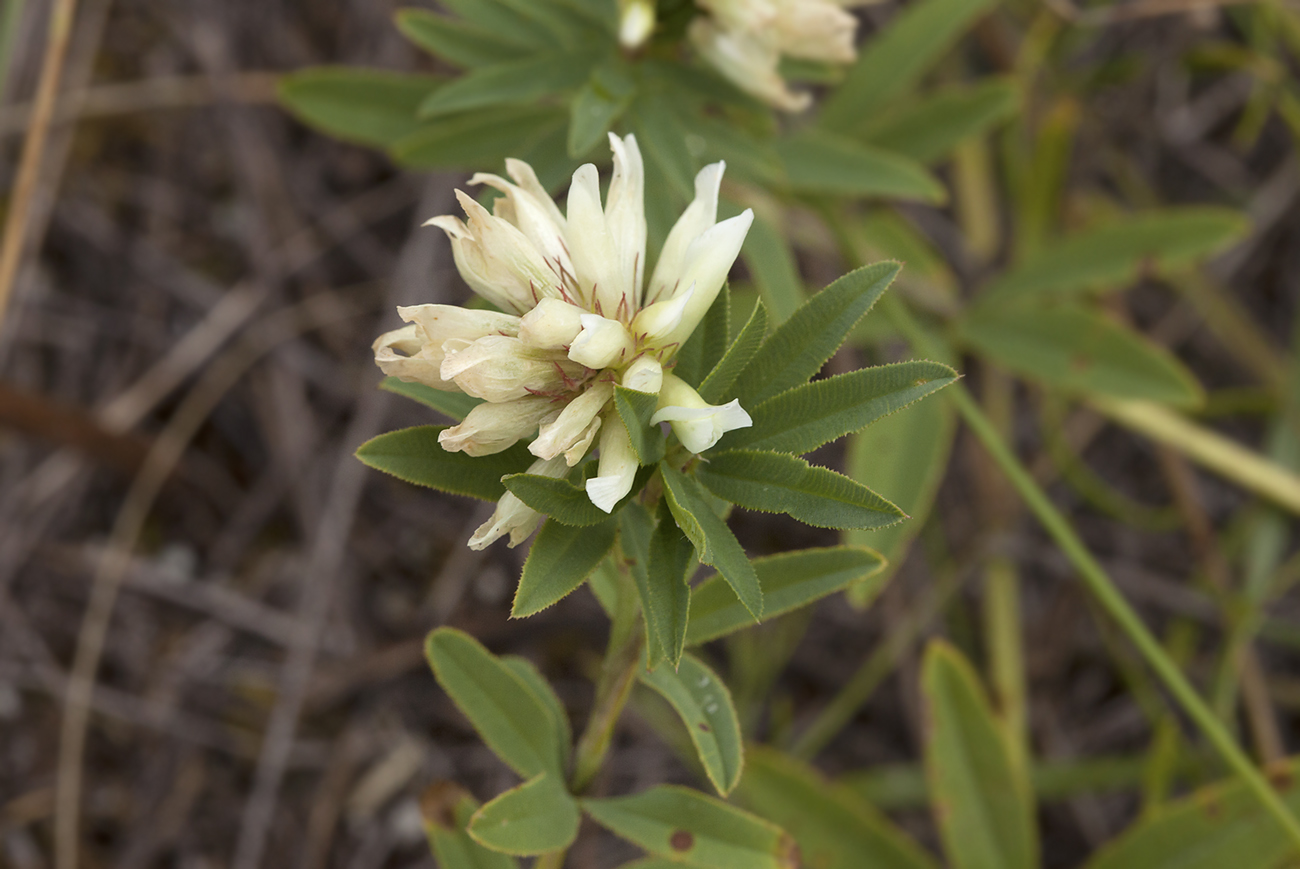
[636, 21]
[745, 40]
[579, 317]
[697, 424]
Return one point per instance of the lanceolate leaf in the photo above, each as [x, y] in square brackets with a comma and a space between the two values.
[636, 527]
[447, 809]
[456, 405]
[800, 347]
[688, 827]
[559, 499]
[414, 455]
[671, 555]
[456, 41]
[983, 808]
[597, 105]
[781, 483]
[368, 106]
[484, 137]
[929, 128]
[660, 134]
[1079, 350]
[835, 828]
[1114, 254]
[891, 63]
[509, 717]
[705, 707]
[635, 409]
[701, 352]
[497, 17]
[536, 817]
[560, 560]
[804, 418]
[717, 385]
[515, 81]
[789, 581]
[1218, 826]
[525, 669]
[714, 542]
[818, 162]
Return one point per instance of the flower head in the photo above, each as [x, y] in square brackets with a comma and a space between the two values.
[745, 40]
[577, 317]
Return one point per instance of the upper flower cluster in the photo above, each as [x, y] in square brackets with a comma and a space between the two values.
[576, 318]
[745, 40]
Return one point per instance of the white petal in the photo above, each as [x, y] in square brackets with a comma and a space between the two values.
[699, 428]
[552, 324]
[572, 423]
[749, 60]
[537, 222]
[655, 323]
[617, 468]
[625, 219]
[701, 214]
[590, 246]
[645, 374]
[601, 343]
[708, 260]
[512, 516]
[495, 426]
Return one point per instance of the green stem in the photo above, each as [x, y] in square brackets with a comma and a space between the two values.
[551, 860]
[617, 675]
[1101, 586]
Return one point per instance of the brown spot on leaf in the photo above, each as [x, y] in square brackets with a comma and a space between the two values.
[681, 840]
[1080, 364]
[438, 804]
[704, 727]
[787, 853]
[1281, 776]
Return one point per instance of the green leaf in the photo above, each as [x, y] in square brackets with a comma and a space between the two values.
[565, 24]
[447, 809]
[1079, 350]
[533, 818]
[367, 106]
[772, 265]
[414, 455]
[563, 501]
[1218, 826]
[505, 712]
[1114, 254]
[456, 41]
[930, 127]
[516, 81]
[560, 560]
[597, 105]
[835, 828]
[635, 409]
[802, 419]
[500, 19]
[781, 483]
[480, 138]
[892, 62]
[526, 670]
[822, 163]
[659, 557]
[801, 345]
[689, 827]
[456, 405]
[713, 540]
[983, 808]
[707, 344]
[704, 704]
[716, 386]
[660, 134]
[790, 580]
[905, 455]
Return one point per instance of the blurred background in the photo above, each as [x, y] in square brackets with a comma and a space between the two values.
[211, 614]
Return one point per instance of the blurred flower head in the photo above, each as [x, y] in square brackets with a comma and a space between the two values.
[577, 317]
[746, 39]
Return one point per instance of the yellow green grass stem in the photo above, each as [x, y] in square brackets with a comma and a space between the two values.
[1101, 586]
[1207, 448]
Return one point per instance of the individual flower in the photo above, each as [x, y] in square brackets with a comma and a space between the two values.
[745, 40]
[578, 317]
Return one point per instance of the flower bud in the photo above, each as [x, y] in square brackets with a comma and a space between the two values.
[645, 374]
[617, 468]
[512, 516]
[492, 427]
[552, 325]
[635, 23]
[572, 424]
[497, 368]
[600, 343]
[697, 424]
